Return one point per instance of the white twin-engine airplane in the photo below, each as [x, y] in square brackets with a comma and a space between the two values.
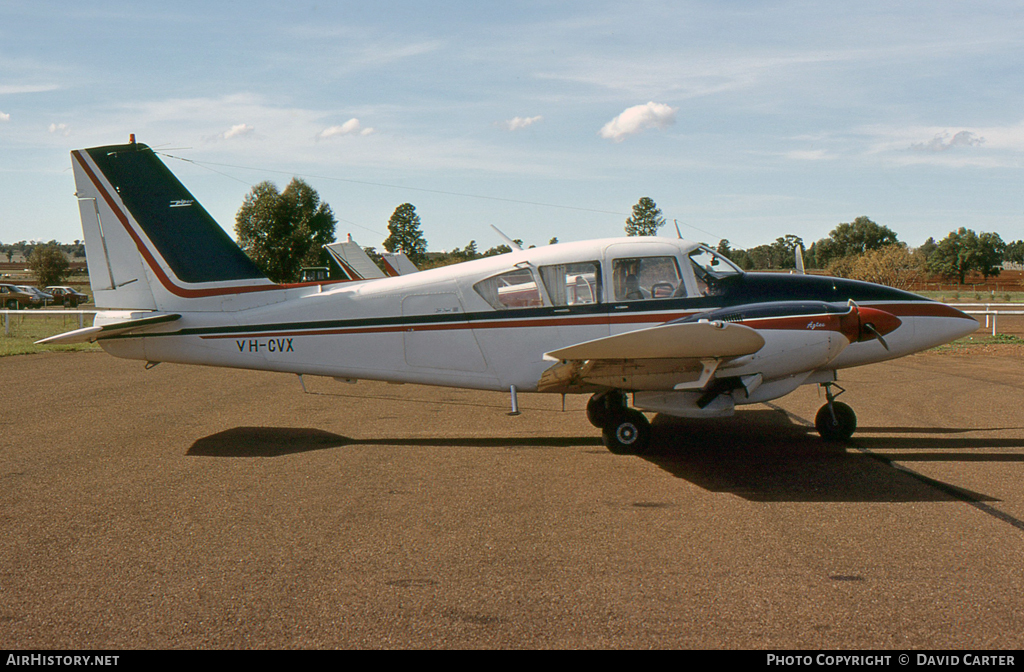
[680, 327]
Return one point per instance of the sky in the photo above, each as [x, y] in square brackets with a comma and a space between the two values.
[744, 121]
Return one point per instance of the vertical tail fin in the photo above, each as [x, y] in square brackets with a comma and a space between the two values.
[353, 260]
[148, 243]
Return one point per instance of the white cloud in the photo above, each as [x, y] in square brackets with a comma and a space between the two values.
[516, 123]
[807, 154]
[942, 141]
[350, 127]
[60, 129]
[638, 118]
[4, 116]
[237, 131]
[982, 146]
[9, 89]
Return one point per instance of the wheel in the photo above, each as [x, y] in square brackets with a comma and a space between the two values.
[838, 428]
[627, 433]
[602, 405]
[12, 304]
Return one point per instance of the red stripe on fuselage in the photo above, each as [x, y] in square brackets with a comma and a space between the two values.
[829, 321]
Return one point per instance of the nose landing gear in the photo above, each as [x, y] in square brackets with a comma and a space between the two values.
[625, 430]
[835, 420]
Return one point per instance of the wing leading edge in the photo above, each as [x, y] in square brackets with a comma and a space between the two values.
[670, 356]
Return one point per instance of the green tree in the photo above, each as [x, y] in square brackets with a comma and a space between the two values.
[963, 251]
[739, 257]
[496, 250]
[645, 220]
[927, 247]
[1014, 252]
[991, 250]
[405, 235]
[49, 265]
[456, 256]
[784, 251]
[853, 238]
[284, 231]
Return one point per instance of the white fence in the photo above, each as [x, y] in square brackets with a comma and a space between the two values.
[991, 311]
[45, 313]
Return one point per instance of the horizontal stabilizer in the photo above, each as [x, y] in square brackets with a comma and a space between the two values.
[698, 340]
[91, 334]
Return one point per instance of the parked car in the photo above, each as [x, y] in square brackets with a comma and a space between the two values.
[39, 297]
[66, 295]
[13, 298]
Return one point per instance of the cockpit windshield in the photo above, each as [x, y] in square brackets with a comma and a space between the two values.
[709, 268]
[706, 261]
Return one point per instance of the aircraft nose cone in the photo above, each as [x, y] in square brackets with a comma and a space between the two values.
[965, 324]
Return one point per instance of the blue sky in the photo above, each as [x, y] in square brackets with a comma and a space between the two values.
[742, 120]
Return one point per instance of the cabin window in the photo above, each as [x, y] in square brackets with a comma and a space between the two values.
[645, 278]
[515, 289]
[572, 284]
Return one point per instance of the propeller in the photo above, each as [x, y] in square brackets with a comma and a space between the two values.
[864, 324]
[870, 327]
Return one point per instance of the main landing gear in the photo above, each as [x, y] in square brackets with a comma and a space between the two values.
[625, 430]
[835, 420]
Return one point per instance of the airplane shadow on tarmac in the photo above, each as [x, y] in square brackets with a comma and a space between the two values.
[277, 441]
[760, 455]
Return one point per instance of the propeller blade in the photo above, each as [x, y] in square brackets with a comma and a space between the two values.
[870, 327]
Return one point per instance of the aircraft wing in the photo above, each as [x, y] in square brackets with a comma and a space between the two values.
[698, 340]
[679, 356]
[90, 334]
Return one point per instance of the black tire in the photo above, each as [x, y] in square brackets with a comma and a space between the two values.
[602, 405]
[838, 428]
[627, 433]
[12, 304]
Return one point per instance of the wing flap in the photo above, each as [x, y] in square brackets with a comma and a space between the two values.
[690, 340]
[90, 334]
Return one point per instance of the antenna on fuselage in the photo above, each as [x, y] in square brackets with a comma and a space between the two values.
[511, 243]
[678, 232]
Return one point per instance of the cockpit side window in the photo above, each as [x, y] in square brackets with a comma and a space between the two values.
[514, 289]
[572, 284]
[645, 278]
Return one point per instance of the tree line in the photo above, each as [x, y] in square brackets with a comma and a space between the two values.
[866, 250]
[285, 231]
[49, 262]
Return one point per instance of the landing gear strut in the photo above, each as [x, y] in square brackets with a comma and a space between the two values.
[835, 420]
[625, 431]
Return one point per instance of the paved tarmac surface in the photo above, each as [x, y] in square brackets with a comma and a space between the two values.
[187, 507]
